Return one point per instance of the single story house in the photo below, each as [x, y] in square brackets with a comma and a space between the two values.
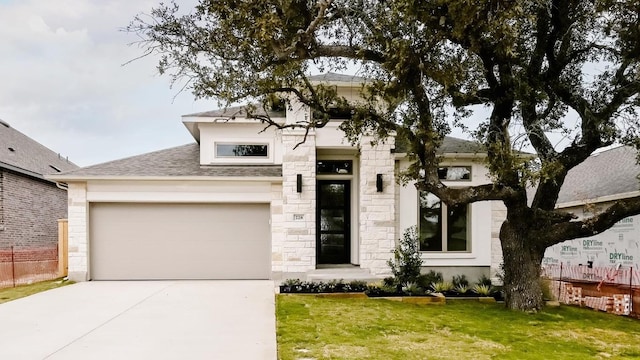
[243, 203]
[30, 204]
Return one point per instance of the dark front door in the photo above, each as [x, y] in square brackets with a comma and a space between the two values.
[333, 220]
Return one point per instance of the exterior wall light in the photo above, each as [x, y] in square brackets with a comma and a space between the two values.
[299, 183]
[379, 182]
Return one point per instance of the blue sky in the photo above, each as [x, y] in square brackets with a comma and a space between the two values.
[63, 82]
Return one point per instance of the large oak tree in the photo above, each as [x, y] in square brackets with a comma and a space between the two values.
[531, 63]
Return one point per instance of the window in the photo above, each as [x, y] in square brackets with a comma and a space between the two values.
[454, 173]
[331, 167]
[242, 150]
[441, 228]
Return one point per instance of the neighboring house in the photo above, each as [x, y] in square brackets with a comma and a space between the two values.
[590, 188]
[243, 203]
[30, 205]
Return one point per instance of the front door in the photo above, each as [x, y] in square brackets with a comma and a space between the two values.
[333, 233]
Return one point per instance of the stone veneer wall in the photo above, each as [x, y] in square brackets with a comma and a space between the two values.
[377, 209]
[498, 215]
[297, 248]
[78, 251]
[277, 228]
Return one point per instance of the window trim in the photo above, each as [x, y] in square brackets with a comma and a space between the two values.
[457, 166]
[216, 159]
[445, 224]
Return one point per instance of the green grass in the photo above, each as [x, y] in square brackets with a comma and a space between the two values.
[314, 328]
[8, 294]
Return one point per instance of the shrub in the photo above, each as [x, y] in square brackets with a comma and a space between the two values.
[442, 286]
[461, 289]
[406, 262]
[333, 286]
[460, 280]
[413, 289]
[484, 280]
[482, 289]
[425, 280]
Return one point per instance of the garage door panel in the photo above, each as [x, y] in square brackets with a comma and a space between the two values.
[179, 241]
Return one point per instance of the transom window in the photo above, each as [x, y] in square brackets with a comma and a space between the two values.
[242, 150]
[440, 228]
[454, 173]
[332, 167]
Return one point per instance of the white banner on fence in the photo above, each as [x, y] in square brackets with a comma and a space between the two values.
[618, 245]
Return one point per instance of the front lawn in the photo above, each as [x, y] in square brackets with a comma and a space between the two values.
[8, 294]
[315, 328]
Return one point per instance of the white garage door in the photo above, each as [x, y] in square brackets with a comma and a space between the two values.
[179, 241]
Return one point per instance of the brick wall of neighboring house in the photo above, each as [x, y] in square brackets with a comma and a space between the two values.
[30, 211]
[1, 204]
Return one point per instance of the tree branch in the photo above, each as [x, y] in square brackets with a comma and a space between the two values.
[594, 225]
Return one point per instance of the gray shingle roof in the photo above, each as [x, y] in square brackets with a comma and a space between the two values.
[236, 111]
[610, 172]
[450, 145]
[178, 161]
[19, 152]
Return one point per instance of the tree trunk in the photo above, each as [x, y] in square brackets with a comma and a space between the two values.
[522, 263]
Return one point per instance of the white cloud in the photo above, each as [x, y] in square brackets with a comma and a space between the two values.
[63, 84]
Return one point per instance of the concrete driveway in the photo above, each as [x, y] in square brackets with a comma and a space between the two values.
[142, 320]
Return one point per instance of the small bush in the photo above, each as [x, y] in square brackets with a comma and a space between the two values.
[389, 281]
[482, 289]
[425, 280]
[442, 287]
[461, 289]
[413, 289]
[460, 280]
[333, 286]
[406, 262]
[484, 280]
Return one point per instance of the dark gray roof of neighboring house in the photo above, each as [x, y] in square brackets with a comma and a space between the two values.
[177, 161]
[450, 145]
[20, 153]
[236, 111]
[611, 172]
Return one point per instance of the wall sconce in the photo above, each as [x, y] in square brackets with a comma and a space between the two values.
[299, 183]
[379, 182]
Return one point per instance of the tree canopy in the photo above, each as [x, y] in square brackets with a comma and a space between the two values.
[532, 64]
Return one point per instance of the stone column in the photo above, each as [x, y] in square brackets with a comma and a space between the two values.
[298, 208]
[377, 209]
[78, 247]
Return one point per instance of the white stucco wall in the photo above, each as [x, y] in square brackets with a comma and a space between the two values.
[229, 132]
[480, 253]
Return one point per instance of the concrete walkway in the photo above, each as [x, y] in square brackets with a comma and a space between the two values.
[142, 320]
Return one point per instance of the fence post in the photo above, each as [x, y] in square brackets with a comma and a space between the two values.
[560, 283]
[63, 248]
[630, 289]
[13, 268]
